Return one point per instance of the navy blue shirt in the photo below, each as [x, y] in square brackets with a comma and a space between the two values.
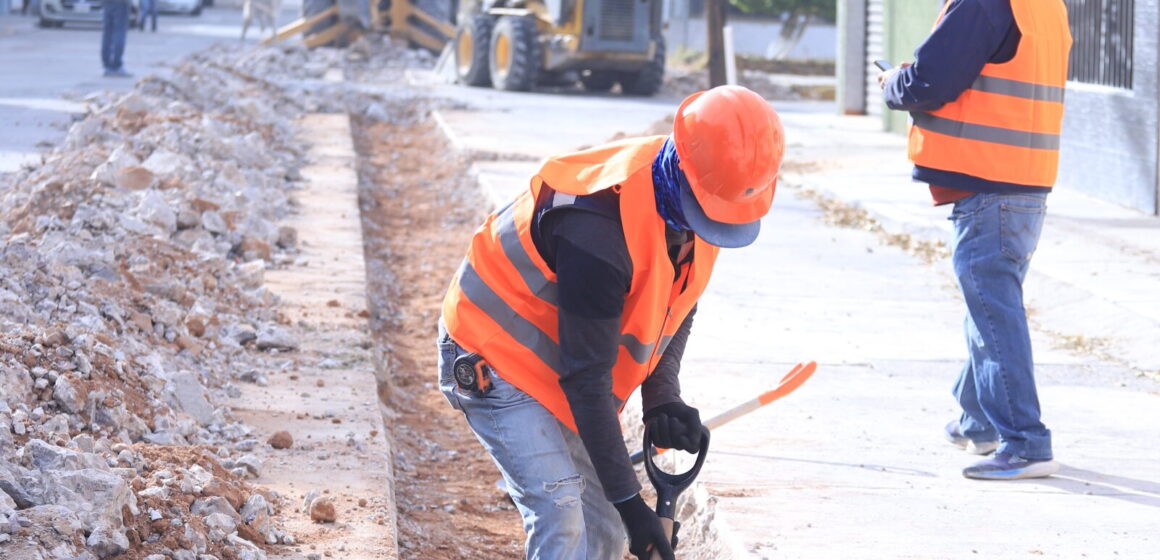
[971, 34]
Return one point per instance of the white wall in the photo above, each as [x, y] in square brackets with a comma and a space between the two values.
[755, 37]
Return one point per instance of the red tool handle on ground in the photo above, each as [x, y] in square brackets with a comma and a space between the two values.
[788, 384]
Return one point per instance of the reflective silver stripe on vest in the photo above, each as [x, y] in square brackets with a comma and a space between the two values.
[561, 199]
[523, 331]
[665, 340]
[640, 351]
[509, 238]
[984, 133]
[1015, 88]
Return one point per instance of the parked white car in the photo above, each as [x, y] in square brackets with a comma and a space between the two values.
[186, 7]
[55, 13]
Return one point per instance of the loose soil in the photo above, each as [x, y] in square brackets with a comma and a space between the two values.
[419, 211]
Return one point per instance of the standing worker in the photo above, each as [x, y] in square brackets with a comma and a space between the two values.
[581, 290]
[986, 95]
[114, 28]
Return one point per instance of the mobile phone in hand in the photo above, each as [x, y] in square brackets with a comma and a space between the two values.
[883, 65]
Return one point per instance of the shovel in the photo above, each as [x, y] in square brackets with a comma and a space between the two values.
[669, 486]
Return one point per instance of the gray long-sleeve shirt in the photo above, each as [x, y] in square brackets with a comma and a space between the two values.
[588, 253]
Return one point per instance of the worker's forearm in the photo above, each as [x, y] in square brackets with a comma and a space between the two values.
[664, 386]
[948, 61]
[599, 428]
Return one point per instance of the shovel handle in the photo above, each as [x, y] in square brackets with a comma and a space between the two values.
[668, 526]
[790, 382]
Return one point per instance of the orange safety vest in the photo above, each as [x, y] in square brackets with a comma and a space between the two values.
[502, 302]
[1006, 127]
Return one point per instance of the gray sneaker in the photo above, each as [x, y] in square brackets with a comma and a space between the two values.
[953, 435]
[1004, 466]
[117, 74]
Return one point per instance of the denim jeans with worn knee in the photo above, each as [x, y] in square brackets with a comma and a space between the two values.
[545, 466]
[995, 236]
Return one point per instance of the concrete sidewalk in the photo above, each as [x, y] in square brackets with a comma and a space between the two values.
[852, 465]
[1094, 281]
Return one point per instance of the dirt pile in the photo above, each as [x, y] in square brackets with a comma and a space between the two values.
[132, 306]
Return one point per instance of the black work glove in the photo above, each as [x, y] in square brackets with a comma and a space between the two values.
[645, 532]
[675, 425]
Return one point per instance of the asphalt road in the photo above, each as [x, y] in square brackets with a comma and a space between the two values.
[47, 73]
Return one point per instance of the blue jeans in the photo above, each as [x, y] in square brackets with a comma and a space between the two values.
[114, 28]
[545, 466]
[148, 11]
[995, 236]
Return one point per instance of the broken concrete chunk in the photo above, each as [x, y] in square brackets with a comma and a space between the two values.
[134, 178]
[275, 337]
[189, 394]
[66, 394]
[165, 163]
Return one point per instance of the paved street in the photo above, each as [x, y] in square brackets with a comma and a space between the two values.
[47, 73]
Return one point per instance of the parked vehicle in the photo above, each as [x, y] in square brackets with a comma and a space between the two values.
[184, 7]
[55, 13]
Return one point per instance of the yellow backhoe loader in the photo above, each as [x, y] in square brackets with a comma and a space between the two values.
[518, 44]
[423, 23]
[511, 45]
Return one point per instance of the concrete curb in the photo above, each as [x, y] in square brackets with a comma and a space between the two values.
[327, 398]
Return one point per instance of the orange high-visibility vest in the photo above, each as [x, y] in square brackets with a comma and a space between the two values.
[1006, 127]
[502, 302]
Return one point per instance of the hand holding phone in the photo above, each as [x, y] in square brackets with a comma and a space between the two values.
[883, 65]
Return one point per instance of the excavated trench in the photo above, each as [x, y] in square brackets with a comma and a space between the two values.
[419, 209]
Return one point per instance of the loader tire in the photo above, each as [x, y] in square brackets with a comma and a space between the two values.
[312, 7]
[647, 80]
[597, 80]
[472, 45]
[514, 60]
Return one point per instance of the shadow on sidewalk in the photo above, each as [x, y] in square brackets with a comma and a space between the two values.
[1082, 481]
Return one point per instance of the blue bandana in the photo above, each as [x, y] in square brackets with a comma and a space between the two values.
[667, 177]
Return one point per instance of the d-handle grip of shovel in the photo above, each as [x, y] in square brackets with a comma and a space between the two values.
[669, 486]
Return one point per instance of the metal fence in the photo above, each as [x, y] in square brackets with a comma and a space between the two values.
[1102, 31]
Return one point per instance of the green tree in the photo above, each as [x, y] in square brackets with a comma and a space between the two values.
[798, 15]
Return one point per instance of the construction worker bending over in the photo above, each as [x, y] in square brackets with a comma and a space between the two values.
[582, 289]
[986, 95]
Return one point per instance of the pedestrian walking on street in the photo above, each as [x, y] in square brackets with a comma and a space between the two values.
[582, 289]
[985, 92]
[114, 29]
[148, 11]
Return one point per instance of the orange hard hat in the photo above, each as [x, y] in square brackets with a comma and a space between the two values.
[730, 144]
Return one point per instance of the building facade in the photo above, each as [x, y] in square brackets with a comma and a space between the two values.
[1111, 136]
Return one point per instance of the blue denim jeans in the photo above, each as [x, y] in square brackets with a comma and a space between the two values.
[545, 466]
[147, 12]
[995, 236]
[114, 28]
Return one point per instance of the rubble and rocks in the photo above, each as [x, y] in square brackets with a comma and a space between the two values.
[133, 300]
[322, 510]
[281, 440]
